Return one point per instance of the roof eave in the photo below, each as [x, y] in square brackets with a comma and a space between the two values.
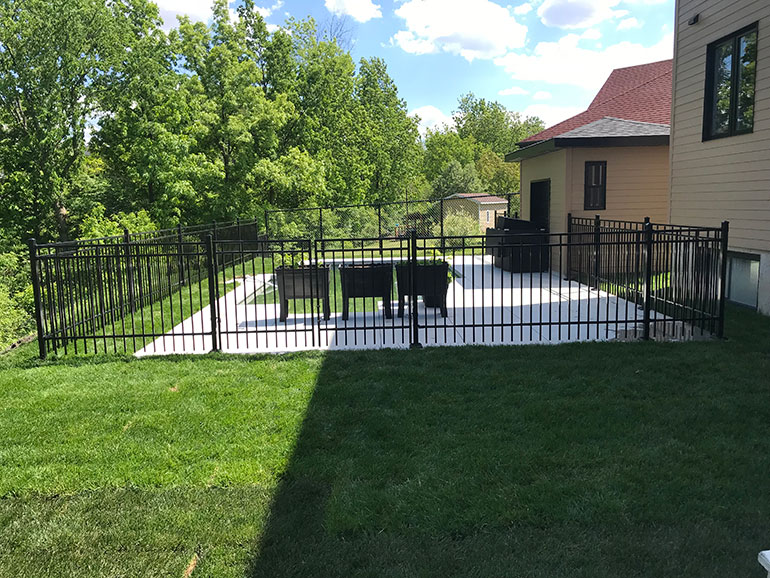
[531, 151]
[612, 141]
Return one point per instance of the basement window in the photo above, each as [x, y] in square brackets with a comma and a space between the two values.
[743, 279]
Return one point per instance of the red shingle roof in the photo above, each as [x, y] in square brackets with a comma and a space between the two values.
[641, 93]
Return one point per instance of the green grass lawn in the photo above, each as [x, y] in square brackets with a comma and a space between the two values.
[584, 459]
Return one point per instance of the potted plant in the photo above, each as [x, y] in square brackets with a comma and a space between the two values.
[366, 280]
[299, 280]
[431, 280]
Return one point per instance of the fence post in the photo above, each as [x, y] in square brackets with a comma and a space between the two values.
[443, 244]
[129, 270]
[415, 344]
[321, 222]
[38, 300]
[569, 247]
[180, 250]
[379, 225]
[723, 278]
[267, 233]
[597, 248]
[648, 246]
[212, 274]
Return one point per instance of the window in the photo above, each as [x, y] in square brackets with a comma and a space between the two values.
[596, 186]
[487, 216]
[731, 65]
[743, 278]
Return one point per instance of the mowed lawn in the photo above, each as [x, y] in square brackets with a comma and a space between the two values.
[603, 459]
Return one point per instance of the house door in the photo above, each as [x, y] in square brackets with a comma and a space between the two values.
[539, 203]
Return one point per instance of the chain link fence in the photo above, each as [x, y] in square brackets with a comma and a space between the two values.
[455, 215]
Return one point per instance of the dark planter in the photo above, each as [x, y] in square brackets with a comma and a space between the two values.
[430, 280]
[306, 282]
[369, 280]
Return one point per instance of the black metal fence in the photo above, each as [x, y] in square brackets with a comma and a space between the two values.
[229, 288]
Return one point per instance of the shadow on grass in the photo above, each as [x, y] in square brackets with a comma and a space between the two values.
[580, 460]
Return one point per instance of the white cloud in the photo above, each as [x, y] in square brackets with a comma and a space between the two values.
[470, 28]
[514, 90]
[523, 9]
[577, 13]
[197, 10]
[431, 117]
[360, 10]
[591, 34]
[201, 10]
[550, 114]
[629, 23]
[541, 95]
[564, 62]
[267, 11]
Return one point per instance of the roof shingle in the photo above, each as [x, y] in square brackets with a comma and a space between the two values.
[638, 93]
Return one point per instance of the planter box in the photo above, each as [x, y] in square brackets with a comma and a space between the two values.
[369, 280]
[520, 249]
[431, 281]
[306, 282]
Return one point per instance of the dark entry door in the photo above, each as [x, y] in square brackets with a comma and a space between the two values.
[540, 200]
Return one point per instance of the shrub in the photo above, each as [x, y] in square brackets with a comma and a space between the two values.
[457, 224]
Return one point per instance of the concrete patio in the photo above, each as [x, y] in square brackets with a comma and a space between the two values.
[485, 306]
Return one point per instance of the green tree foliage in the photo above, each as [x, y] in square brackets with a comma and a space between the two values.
[458, 179]
[96, 224]
[58, 61]
[492, 125]
[482, 134]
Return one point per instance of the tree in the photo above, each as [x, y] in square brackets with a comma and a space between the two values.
[441, 148]
[59, 59]
[389, 135]
[493, 125]
[499, 177]
[236, 124]
[458, 179]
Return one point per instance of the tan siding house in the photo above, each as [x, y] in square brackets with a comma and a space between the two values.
[481, 207]
[720, 167]
[611, 160]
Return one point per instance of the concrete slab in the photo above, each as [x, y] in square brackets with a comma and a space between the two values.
[485, 306]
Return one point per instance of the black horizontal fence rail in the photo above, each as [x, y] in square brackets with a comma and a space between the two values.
[228, 287]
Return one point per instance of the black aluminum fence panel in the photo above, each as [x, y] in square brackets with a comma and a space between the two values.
[229, 288]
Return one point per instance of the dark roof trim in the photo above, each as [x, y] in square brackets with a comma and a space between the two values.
[531, 151]
[613, 141]
[553, 144]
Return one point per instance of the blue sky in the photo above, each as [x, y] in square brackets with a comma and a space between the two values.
[538, 57]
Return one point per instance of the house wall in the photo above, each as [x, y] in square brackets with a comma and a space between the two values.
[637, 182]
[551, 166]
[475, 210]
[728, 178]
[492, 208]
